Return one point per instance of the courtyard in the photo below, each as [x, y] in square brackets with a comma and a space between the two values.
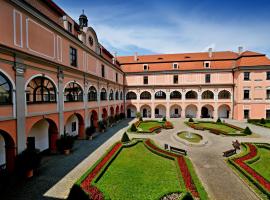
[58, 173]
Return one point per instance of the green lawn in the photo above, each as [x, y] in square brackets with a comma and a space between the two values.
[195, 137]
[146, 125]
[222, 127]
[139, 174]
[262, 165]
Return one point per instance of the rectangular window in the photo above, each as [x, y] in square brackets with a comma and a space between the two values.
[103, 71]
[267, 75]
[116, 77]
[206, 64]
[73, 56]
[246, 76]
[145, 67]
[175, 65]
[145, 80]
[267, 114]
[73, 126]
[246, 114]
[246, 94]
[69, 27]
[207, 78]
[268, 94]
[176, 111]
[175, 79]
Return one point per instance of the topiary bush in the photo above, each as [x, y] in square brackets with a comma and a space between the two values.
[247, 131]
[262, 121]
[164, 119]
[133, 128]
[125, 138]
[218, 121]
[190, 120]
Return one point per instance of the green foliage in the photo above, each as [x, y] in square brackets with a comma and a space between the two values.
[247, 131]
[140, 119]
[90, 130]
[125, 138]
[65, 142]
[164, 119]
[138, 115]
[190, 120]
[263, 121]
[101, 125]
[133, 128]
[218, 121]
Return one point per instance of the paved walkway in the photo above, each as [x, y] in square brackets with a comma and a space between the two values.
[58, 173]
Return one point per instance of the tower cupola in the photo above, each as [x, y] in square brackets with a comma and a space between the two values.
[83, 20]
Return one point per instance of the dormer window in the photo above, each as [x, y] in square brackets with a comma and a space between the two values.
[175, 66]
[206, 64]
[145, 67]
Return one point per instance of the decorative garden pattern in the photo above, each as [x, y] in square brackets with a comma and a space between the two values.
[252, 166]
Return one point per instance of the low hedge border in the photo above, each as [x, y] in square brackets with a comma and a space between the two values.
[257, 122]
[249, 179]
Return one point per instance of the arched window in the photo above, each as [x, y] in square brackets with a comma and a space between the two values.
[92, 94]
[207, 95]
[175, 95]
[145, 95]
[121, 95]
[116, 95]
[111, 95]
[191, 95]
[160, 95]
[73, 92]
[131, 95]
[224, 94]
[40, 90]
[103, 95]
[5, 90]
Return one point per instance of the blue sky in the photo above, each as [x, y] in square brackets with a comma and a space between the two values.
[176, 26]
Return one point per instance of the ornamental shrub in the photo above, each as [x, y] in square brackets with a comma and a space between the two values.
[164, 119]
[247, 131]
[262, 121]
[133, 128]
[190, 120]
[138, 115]
[125, 138]
[140, 119]
[65, 142]
[218, 121]
[90, 130]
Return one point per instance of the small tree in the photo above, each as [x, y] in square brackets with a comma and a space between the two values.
[218, 121]
[247, 131]
[138, 115]
[262, 121]
[164, 119]
[125, 138]
[190, 120]
[133, 128]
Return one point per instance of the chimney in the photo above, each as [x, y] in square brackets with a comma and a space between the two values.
[114, 57]
[136, 56]
[240, 50]
[210, 52]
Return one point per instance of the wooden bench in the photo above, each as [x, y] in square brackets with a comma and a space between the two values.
[177, 150]
[229, 153]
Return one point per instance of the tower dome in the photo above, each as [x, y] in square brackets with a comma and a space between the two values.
[83, 20]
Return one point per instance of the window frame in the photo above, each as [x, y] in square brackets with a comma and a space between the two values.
[207, 64]
[9, 100]
[145, 67]
[175, 79]
[244, 93]
[207, 78]
[73, 56]
[145, 80]
[103, 71]
[246, 78]
[268, 75]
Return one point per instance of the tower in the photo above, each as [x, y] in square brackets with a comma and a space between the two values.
[83, 20]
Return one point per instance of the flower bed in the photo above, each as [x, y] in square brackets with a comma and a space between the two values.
[150, 126]
[242, 165]
[168, 125]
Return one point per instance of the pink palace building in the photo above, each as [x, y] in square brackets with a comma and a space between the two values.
[56, 76]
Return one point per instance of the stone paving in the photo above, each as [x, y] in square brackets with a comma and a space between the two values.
[58, 173]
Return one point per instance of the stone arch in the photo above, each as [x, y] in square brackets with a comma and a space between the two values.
[103, 94]
[7, 151]
[145, 110]
[160, 95]
[207, 111]
[111, 95]
[104, 114]
[175, 111]
[6, 90]
[94, 118]
[224, 111]
[117, 110]
[131, 111]
[73, 92]
[45, 133]
[160, 111]
[111, 111]
[191, 95]
[191, 111]
[207, 94]
[122, 109]
[131, 95]
[175, 95]
[92, 93]
[145, 95]
[75, 125]
[224, 94]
